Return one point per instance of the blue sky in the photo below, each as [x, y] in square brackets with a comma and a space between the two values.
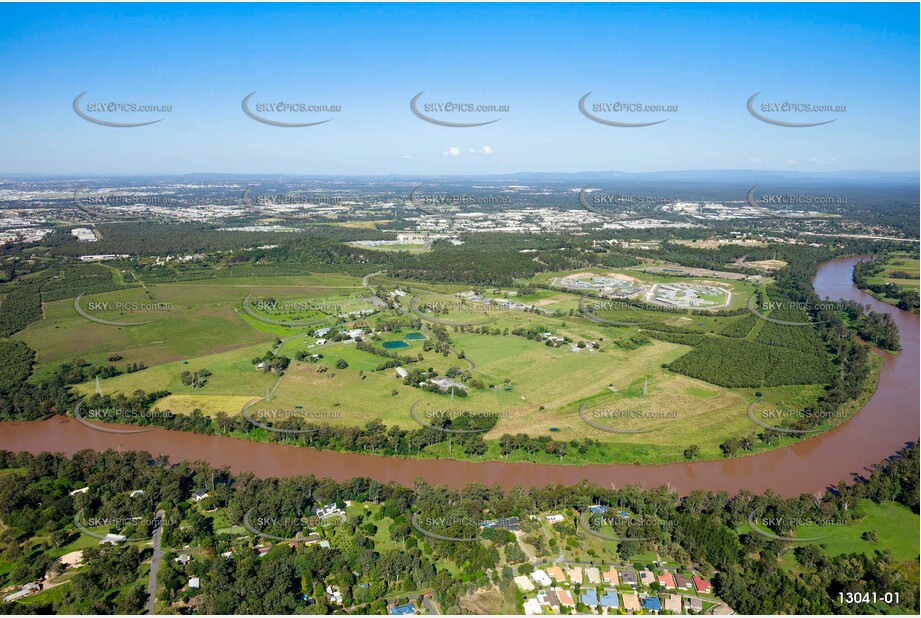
[537, 59]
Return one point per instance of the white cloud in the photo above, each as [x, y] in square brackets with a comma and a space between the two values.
[452, 151]
[758, 161]
[486, 150]
[791, 162]
[813, 159]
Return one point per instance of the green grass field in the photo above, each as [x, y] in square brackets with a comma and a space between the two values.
[535, 388]
[187, 319]
[903, 262]
[895, 526]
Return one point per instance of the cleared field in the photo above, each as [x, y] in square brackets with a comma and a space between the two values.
[892, 523]
[208, 404]
[900, 263]
[411, 247]
[357, 394]
[233, 374]
[767, 265]
[185, 319]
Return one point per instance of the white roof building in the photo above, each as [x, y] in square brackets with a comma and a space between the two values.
[524, 583]
[541, 577]
[532, 607]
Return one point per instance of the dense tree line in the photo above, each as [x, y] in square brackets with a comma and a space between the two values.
[875, 327]
[711, 530]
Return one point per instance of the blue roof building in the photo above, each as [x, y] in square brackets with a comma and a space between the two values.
[403, 610]
[652, 604]
[590, 597]
[597, 509]
[609, 599]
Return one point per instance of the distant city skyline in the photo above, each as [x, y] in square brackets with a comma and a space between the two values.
[698, 64]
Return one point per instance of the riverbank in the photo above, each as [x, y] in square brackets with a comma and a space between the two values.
[887, 422]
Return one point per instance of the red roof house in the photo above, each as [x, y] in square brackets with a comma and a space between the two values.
[702, 585]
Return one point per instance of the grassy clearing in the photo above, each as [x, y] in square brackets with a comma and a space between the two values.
[233, 374]
[895, 526]
[188, 319]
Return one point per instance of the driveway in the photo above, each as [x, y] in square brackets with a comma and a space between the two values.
[155, 564]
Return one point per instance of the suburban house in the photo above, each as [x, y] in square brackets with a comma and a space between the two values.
[667, 580]
[631, 602]
[628, 577]
[646, 577]
[532, 607]
[652, 604]
[598, 509]
[329, 509]
[556, 573]
[575, 574]
[702, 585]
[682, 582]
[590, 597]
[541, 578]
[695, 605]
[334, 594]
[549, 598]
[609, 599]
[407, 609]
[195, 582]
[199, 494]
[554, 519]
[402, 373]
[593, 575]
[673, 603]
[611, 577]
[564, 597]
[113, 539]
[523, 583]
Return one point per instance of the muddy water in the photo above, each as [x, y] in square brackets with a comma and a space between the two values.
[887, 423]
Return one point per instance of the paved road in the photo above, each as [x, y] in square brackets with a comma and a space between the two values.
[155, 564]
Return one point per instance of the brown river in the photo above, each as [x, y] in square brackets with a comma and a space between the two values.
[887, 423]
